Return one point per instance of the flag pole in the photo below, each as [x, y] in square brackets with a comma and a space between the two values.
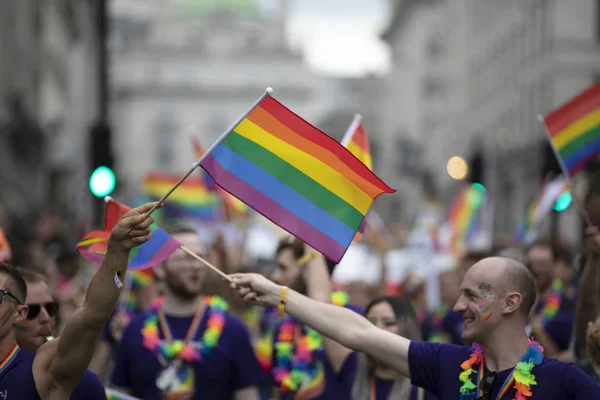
[267, 92]
[348, 135]
[565, 171]
[203, 261]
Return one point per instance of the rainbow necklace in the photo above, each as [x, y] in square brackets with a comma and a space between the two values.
[298, 372]
[553, 301]
[520, 376]
[9, 358]
[182, 350]
[436, 323]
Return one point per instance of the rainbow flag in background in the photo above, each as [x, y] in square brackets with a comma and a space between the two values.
[574, 130]
[5, 251]
[296, 176]
[192, 199]
[112, 394]
[234, 207]
[356, 141]
[94, 245]
[540, 207]
[463, 215]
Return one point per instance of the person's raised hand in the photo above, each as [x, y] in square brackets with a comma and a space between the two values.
[256, 289]
[133, 228]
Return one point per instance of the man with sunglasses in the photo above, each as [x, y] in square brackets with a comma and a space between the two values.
[496, 297]
[53, 371]
[38, 328]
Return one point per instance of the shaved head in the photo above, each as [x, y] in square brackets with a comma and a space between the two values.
[504, 275]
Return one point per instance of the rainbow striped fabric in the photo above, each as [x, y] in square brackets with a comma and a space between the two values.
[296, 176]
[5, 250]
[112, 394]
[192, 199]
[94, 245]
[463, 215]
[233, 207]
[574, 130]
[356, 141]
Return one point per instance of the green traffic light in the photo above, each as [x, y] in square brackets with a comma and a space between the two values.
[478, 186]
[102, 182]
[563, 202]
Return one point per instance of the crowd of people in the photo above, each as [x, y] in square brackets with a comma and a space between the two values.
[517, 323]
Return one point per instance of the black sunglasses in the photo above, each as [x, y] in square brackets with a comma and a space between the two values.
[486, 385]
[4, 293]
[35, 309]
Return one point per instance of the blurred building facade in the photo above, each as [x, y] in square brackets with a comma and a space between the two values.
[191, 68]
[48, 100]
[469, 78]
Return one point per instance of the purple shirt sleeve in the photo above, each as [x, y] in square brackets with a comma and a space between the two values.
[559, 329]
[89, 388]
[347, 373]
[245, 371]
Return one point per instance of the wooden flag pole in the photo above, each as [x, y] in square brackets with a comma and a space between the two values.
[267, 92]
[565, 171]
[203, 261]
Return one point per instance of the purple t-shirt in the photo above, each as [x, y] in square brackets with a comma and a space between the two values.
[17, 381]
[231, 366]
[383, 387]
[436, 367]
[560, 327]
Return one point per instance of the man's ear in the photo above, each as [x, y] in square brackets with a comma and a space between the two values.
[20, 313]
[512, 301]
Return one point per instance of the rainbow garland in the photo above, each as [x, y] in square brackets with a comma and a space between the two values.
[436, 324]
[217, 307]
[521, 375]
[263, 346]
[298, 372]
[553, 301]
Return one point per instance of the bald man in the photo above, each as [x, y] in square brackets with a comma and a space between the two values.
[496, 297]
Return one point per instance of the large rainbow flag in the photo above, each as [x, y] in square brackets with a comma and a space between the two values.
[574, 130]
[296, 176]
[356, 141]
[463, 215]
[233, 207]
[94, 245]
[192, 199]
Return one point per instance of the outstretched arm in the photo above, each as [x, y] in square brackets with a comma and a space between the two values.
[340, 324]
[59, 364]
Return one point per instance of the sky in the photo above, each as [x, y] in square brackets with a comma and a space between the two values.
[340, 37]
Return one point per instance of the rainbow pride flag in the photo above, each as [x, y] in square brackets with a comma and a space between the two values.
[5, 250]
[234, 207]
[463, 215]
[574, 130]
[547, 196]
[296, 176]
[356, 141]
[192, 199]
[94, 245]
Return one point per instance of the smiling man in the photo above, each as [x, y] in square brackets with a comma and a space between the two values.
[187, 346]
[496, 297]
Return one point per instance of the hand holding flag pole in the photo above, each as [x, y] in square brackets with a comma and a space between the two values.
[267, 92]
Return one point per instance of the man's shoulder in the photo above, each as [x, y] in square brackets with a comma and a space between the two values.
[445, 353]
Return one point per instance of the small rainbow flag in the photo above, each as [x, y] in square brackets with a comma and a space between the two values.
[191, 200]
[296, 176]
[94, 245]
[356, 141]
[464, 213]
[234, 207]
[574, 130]
[539, 208]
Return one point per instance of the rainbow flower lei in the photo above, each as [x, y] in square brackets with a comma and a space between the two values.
[553, 301]
[521, 374]
[297, 372]
[217, 307]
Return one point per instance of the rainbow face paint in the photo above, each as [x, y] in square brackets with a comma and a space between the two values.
[5, 318]
[486, 312]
